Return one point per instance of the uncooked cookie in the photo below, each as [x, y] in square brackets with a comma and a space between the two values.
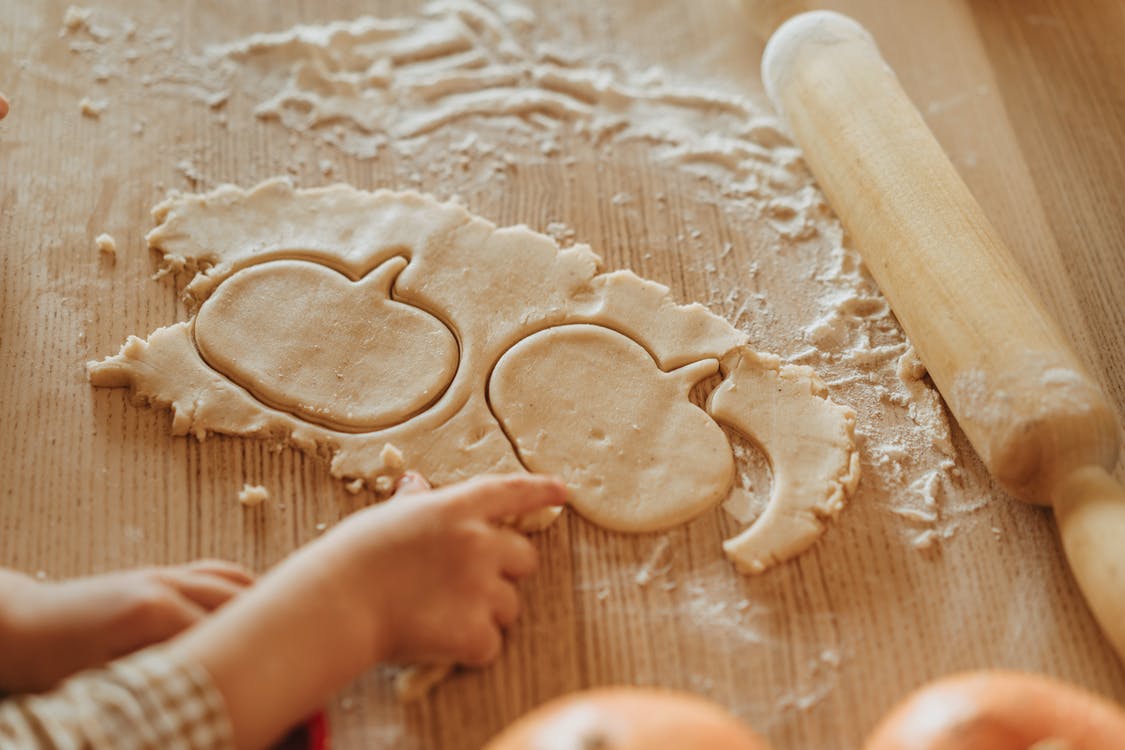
[308, 340]
[302, 346]
[590, 405]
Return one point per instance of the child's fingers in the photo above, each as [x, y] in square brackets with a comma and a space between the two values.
[498, 497]
[481, 642]
[208, 591]
[230, 571]
[411, 482]
[163, 614]
[518, 556]
[505, 602]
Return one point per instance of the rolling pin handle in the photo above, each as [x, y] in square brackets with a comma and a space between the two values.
[1090, 510]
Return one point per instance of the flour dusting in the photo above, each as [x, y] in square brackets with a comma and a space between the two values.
[468, 91]
[465, 93]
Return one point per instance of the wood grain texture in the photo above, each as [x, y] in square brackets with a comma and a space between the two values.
[987, 342]
[1027, 99]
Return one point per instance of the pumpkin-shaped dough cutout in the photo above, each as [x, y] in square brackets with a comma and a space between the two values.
[590, 405]
[304, 338]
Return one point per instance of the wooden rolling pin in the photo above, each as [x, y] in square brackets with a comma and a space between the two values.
[1035, 416]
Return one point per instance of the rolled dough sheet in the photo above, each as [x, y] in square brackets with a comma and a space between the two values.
[342, 321]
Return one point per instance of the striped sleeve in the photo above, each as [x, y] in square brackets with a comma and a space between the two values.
[146, 700]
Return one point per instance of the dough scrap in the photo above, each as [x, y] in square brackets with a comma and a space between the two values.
[612, 432]
[810, 443]
[492, 287]
[92, 108]
[107, 246]
[253, 494]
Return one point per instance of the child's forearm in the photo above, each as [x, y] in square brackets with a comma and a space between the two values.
[284, 647]
[13, 585]
[425, 578]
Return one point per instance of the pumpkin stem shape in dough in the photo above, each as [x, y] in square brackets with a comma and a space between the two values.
[810, 443]
[590, 405]
[305, 339]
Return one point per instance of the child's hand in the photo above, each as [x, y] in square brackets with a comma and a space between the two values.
[425, 576]
[438, 568]
[49, 630]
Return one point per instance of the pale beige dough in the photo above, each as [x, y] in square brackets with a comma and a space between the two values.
[262, 361]
[107, 246]
[252, 495]
[339, 352]
[590, 405]
[810, 443]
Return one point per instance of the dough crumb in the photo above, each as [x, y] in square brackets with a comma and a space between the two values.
[391, 458]
[188, 169]
[217, 100]
[75, 18]
[561, 233]
[925, 540]
[392, 468]
[92, 107]
[910, 368]
[253, 495]
[107, 246]
[742, 505]
[355, 486]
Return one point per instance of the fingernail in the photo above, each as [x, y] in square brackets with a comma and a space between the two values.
[412, 480]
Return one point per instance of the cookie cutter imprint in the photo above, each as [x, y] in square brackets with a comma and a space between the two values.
[486, 323]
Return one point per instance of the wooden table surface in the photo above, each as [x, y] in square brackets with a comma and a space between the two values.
[1028, 98]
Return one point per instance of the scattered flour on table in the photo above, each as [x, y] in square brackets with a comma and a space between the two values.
[466, 93]
[654, 565]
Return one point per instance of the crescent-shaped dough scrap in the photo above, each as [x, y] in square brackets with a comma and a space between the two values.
[810, 443]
